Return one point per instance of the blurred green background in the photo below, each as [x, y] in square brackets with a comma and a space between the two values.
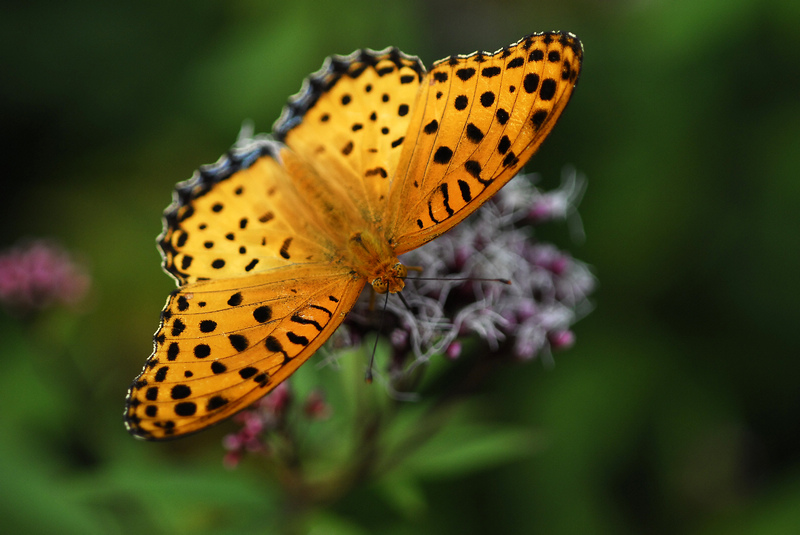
[677, 411]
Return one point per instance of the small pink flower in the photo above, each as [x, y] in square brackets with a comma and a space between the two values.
[315, 407]
[542, 210]
[563, 339]
[40, 274]
[453, 350]
[560, 264]
[231, 442]
[231, 459]
[399, 338]
[277, 401]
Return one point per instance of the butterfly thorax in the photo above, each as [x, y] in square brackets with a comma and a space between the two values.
[372, 257]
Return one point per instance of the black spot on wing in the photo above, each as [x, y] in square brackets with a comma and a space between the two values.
[442, 155]
[296, 318]
[531, 82]
[323, 309]
[548, 90]
[161, 374]
[284, 252]
[538, 118]
[216, 402]
[262, 314]
[502, 116]
[186, 408]
[274, 345]
[238, 341]
[178, 327]
[446, 199]
[431, 127]
[465, 73]
[504, 145]
[201, 351]
[248, 372]
[466, 194]
[297, 339]
[474, 133]
[180, 392]
[536, 55]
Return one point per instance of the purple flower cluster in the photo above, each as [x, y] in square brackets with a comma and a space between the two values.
[459, 294]
[268, 415]
[40, 274]
[452, 297]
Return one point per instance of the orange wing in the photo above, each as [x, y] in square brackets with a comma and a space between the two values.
[224, 344]
[262, 289]
[477, 120]
[349, 124]
[242, 215]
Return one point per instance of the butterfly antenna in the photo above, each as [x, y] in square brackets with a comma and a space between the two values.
[368, 374]
[405, 303]
[462, 279]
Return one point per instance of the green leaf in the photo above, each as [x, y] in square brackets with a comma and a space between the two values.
[403, 493]
[468, 447]
[325, 523]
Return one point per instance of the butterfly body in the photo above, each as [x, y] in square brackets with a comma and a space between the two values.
[272, 245]
[365, 250]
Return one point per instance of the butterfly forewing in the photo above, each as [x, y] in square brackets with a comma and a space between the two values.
[239, 217]
[223, 344]
[354, 117]
[476, 122]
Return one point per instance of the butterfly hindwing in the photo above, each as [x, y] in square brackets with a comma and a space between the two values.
[223, 344]
[477, 120]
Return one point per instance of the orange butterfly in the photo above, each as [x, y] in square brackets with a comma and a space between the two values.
[272, 245]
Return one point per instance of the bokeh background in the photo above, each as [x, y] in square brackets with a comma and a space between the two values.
[677, 411]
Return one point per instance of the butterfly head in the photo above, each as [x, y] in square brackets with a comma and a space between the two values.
[392, 281]
[373, 258]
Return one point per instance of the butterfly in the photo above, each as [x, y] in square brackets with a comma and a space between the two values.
[272, 245]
